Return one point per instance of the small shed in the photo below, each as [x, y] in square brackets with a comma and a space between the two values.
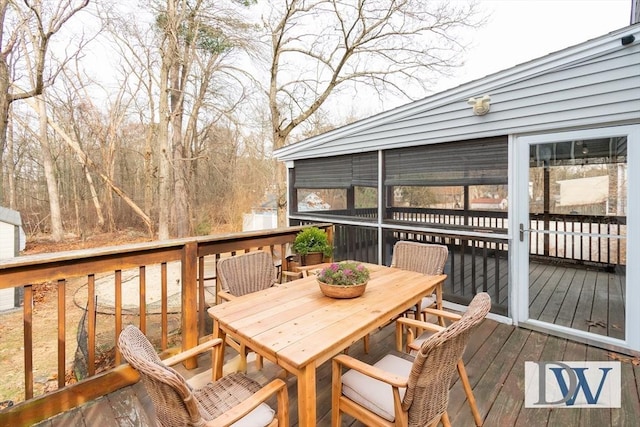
[12, 241]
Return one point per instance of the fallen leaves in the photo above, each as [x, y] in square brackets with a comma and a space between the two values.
[635, 361]
[599, 323]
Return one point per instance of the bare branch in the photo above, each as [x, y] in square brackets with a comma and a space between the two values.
[386, 45]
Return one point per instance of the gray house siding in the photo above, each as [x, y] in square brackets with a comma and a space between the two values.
[593, 84]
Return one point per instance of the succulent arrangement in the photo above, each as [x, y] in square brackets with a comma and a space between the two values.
[344, 274]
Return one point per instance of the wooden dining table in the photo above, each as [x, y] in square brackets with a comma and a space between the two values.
[295, 326]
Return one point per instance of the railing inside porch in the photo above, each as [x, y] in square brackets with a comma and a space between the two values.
[481, 263]
[557, 237]
[195, 260]
[568, 245]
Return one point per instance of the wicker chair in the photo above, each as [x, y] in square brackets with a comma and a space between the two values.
[233, 398]
[400, 392]
[423, 258]
[243, 274]
[424, 331]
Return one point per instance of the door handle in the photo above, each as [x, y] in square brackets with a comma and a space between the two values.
[522, 231]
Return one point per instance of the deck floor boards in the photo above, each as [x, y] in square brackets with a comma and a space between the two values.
[576, 297]
[494, 359]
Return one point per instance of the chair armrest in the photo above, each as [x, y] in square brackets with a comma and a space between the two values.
[276, 387]
[420, 324]
[442, 313]
[183, 355]
[370, 371]
[291, 275]
[306, 270]
[226, 295]
[408, 325]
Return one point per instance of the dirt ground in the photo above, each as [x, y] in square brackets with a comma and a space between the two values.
[45, 329]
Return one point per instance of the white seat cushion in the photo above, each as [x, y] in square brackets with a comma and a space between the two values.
[426, 302]
[261, 416]
[418, 341]
[373, 394]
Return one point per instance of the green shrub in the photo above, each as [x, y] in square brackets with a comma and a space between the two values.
[310, 240]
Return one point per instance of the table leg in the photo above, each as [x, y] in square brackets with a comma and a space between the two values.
[307, 396]
[218, 352]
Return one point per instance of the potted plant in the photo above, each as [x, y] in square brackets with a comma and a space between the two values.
[312, 244]
[345, 279]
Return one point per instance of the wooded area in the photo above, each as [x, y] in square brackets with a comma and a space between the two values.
[161, 116]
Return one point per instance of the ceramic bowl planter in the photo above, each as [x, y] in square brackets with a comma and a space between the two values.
[342, 291]
[343, 280]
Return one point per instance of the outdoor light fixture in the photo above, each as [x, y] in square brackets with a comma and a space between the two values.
[481, 106]
[585, 149]
[626, 40]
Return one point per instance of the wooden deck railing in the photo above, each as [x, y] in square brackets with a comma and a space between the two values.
[88, 265]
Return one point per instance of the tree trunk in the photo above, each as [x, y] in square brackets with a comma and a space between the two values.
[164, 178]
[281, 183]
[179, 156]
[4, 102]
[148, 176]
[57, 231]
[94, 197]
[281, 188]
[11, 173]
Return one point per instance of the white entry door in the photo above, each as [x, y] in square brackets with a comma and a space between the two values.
[574, 237]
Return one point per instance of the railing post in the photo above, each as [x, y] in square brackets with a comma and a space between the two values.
[189, 319]
[28, 341]
[330, 234]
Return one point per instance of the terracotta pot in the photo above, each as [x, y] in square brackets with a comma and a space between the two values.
[341, 291]
[312, 258]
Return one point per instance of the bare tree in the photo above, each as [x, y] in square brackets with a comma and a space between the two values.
[140, 63]
[87, 162]
[196, 37]
[319, 47]
[29, 29]
[57, 230]
[81, 117]
[105, 140]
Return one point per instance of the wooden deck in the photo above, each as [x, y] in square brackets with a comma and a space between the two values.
[494, 359]
[582, 298]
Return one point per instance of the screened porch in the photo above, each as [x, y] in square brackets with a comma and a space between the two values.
[457, 194]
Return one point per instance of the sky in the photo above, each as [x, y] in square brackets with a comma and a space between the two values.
[517, 31]
[521, 30]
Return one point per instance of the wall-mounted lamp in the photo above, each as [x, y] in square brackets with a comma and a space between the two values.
[585, 149]
[627, 40]
[481, 106]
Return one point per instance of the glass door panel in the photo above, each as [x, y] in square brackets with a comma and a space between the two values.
[577, 234]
